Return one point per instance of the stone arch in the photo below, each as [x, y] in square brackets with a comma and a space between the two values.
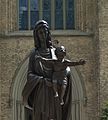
[17, 86]
[78, 93]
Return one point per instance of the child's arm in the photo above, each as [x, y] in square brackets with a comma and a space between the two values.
[45, 60]
[80, 62]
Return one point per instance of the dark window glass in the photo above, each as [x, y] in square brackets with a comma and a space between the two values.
[34, 12]
[70, 14]
[58, 14]
[23, 15]
[29, 13]
[47, 11]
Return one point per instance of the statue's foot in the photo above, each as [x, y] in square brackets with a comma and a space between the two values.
[62, 102]
[56, 95]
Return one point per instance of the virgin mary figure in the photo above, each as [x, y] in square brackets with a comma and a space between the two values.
[38, 93]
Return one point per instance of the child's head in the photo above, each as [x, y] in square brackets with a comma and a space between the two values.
[60, 52]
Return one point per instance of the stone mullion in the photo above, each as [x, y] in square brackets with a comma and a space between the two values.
[89, 15]
[84, 15]
[11, 17]
[6, 16]
[86, 9]
[75, 11]
[81, 15]
[14, 15]
[64, 14]
[77, 14]
[17, 15]
[52, 14]
[40, 9]
[29, 19]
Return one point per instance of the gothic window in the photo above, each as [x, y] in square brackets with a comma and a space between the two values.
[58, 13]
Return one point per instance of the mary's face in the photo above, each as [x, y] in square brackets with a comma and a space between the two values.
[42, 35]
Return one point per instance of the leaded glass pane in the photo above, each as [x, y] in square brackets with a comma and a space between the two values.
[47, 11]
[70, 14]
[32, 16]
[23, 14]
[34, 12]
[58, 14]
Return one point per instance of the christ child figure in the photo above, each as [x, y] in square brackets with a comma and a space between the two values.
[59, 65]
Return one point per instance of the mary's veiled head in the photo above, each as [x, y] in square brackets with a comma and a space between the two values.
[42, 37]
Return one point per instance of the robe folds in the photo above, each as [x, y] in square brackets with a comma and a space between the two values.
[38, 93]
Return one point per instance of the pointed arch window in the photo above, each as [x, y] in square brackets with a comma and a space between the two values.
[58, 13]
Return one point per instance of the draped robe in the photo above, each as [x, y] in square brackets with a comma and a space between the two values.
[39, 95]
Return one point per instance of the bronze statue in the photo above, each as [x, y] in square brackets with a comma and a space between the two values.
[38, 93]
[59, 65]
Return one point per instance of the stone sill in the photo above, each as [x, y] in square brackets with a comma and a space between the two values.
[53, 33]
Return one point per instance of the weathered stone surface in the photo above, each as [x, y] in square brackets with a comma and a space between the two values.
[15, 49]
[91, 16]
[103, 37]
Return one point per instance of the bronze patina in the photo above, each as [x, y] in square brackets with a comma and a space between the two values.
[38, 92]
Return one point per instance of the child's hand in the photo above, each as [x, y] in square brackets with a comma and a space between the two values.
[82, 62]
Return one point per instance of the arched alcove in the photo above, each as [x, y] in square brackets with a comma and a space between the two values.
[18, 110]
[78, 94]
